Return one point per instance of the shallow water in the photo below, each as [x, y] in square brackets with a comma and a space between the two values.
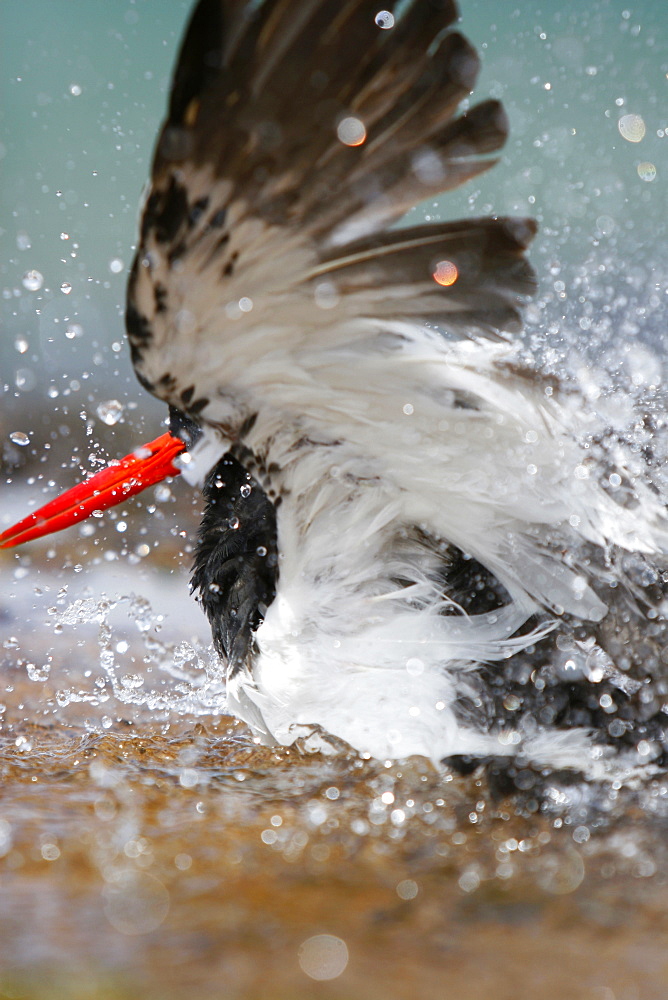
[150, 847]
[159, 860]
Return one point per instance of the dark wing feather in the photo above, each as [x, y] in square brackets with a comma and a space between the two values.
[249, 168]
[397, 271]
[260, 89]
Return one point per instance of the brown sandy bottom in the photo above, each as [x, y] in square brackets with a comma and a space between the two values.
[157, 859]
[148, 852]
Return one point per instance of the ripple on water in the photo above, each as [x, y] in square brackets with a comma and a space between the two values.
[158, 833]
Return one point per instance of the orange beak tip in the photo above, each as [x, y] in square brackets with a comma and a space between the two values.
[112, 485]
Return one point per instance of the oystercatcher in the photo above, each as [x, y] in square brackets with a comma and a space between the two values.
[392, 500]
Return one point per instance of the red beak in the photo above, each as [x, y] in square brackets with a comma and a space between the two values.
[136, 472]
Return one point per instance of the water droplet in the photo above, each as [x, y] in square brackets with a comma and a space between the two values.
[21, 345]
[384, 19]
[65, 287]
[617, 728]
[73, 330]
[445, 273]
[326, 295]
[561, 874]
[135, 902]
[36, 673]
[24, 379]
[605, 225]
[110, 411]
[19, 438]
[75, 90]
[632, 127]
[407, 889]
[23, 241]
[233, 523]
[351, 131]
[116, 265]
[646, 171]
[132, 681]
[189, 777]
[33, 280]
[245, 490]
[323, 956]
[469, 880]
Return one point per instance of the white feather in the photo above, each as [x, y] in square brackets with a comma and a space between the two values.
[342, 647]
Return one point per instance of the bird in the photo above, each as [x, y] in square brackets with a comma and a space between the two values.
[396, 506]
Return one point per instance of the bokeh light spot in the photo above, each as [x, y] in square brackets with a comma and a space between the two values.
[631, 127]
[646, 171]
[323, 956]
[445, 273]
[351, 131]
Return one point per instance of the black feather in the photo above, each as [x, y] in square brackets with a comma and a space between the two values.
[259, 92]
[236, 568]
[260, 88]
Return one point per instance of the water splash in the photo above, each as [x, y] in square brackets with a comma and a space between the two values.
[189, 677]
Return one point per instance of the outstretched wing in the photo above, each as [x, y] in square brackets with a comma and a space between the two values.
[297, 134]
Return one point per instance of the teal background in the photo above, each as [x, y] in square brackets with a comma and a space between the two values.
[75, 164]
